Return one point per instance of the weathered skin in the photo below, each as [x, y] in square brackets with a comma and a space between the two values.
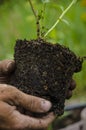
[12, 100]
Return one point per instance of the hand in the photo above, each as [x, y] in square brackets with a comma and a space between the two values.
[11, 98]
[8, 66]
[72, 86]
[12, 119]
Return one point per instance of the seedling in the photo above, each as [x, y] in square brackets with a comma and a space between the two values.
[43, 69]
[38, 17]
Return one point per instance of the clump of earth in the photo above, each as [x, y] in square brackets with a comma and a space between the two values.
[45, 70]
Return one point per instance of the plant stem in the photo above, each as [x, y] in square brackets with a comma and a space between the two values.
[43, 20]
[37, 18]
[34, 12]
[60, 17]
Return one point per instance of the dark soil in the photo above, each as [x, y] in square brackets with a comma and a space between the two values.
[45, 70]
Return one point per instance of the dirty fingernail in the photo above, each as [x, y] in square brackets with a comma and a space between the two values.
[45, 105]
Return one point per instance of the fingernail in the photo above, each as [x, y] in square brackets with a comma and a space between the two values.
[45, 105]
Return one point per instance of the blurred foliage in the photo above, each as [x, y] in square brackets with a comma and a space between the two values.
[17, 22]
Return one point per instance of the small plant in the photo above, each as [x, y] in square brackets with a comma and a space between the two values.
[44, 69]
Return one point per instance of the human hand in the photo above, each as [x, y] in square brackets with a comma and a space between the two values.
[11, 98]
[8, 66]
[12, 119]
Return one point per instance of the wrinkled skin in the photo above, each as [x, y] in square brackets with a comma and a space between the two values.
[11, 98]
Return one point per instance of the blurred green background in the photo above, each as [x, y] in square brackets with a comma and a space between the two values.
[17, 22]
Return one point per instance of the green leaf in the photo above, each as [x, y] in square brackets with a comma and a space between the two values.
[61, 7]
[65, 21]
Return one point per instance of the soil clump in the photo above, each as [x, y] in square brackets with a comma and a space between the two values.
[45, 70]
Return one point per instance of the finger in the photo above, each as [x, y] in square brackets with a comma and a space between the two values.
[69, 94]
[5, 115]
[6, 66]
[25, 122]
[32, 103]
[10, 118]
[72, 85]
[5, 109]
[4, 79]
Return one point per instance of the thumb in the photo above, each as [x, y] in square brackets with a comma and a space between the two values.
[6, 66]
[32, 103]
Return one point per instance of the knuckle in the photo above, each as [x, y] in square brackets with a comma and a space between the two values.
[3, 79]
[8, 91]
[32, 103]
[43, 124]
[35, 104]
[3, 89]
